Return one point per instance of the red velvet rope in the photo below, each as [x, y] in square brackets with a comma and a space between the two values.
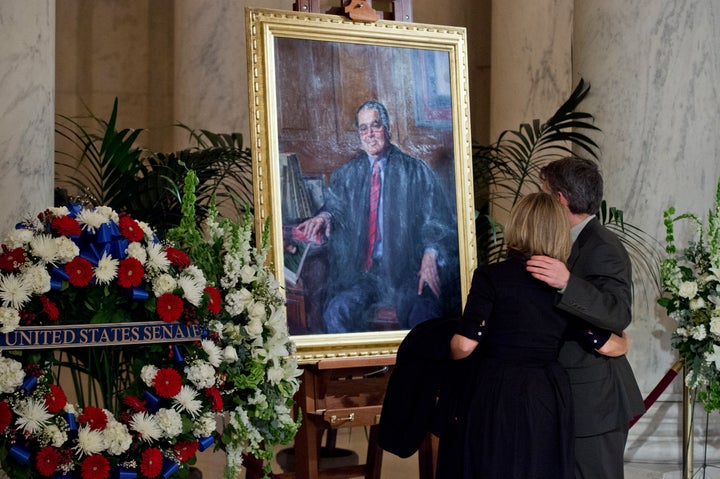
[658, 390]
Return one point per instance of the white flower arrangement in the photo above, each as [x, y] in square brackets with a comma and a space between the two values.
[691, 296]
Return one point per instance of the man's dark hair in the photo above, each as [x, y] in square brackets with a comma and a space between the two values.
[380, 109]
[578, 179]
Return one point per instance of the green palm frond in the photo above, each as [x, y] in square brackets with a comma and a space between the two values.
[505, 170]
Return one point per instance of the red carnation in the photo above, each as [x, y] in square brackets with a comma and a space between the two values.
[47, 460]
[130, 272]
[55, 399]
[151, 462]
[49, 308]
[216, 403]
[95, 467]
[169, 307]
[79, 271]
[5, 416]
[135, 403]
[94, 417]
[185, 450]
[177, 257]
[167, 382]
[214, 299]
[65, 226]
[11, 259]
[130, 229]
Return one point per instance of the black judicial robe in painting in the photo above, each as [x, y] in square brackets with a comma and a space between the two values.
[518, 420]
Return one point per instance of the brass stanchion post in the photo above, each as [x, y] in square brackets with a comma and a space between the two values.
[688, 409]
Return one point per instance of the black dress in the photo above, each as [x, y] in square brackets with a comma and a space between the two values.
[517, 417]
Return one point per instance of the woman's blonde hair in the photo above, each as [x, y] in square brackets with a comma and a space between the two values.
[539, 225]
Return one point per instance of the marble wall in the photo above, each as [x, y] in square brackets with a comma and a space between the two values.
[654, 69]
[27, 73]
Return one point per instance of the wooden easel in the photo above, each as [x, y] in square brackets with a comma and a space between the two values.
[361, 10]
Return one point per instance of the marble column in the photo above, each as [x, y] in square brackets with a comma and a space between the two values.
[654, 69]
[27, 63]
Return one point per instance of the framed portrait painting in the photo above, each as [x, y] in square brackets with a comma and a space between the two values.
[362, 170]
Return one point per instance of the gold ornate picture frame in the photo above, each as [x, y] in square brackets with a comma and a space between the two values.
[308, 74]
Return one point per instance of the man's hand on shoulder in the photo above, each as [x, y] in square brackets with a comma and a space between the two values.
[549, 270]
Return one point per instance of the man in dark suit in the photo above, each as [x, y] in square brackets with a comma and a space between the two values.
[399, 255]
[597, 289]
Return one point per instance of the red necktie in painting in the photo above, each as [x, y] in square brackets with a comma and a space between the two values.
[373, 233]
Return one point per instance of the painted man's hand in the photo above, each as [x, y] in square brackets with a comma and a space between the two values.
[429, 274]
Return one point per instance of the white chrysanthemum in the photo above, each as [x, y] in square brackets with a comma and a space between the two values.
[137, 250]
[186, 400]
[192, 291]
[148, 373]
[9, 320]
[698, 332]
[89, 441]
[45, 248]
[91, 220]
[257, 311]
[37, 279]
[66, 249]
[32, 415]
[201, 374]
[163, 284]
[14, 292]
[170, 422]
[106, 270]
[205, 425]
[19, 238]
[146, 425]
[157, 260]
[688, 289]
[697, 303]
[215, 354]
[54, 436]
[230, 355]
[117, 438]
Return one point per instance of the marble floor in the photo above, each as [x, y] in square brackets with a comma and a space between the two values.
[355, 439]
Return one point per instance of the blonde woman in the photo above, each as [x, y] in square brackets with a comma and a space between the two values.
[516, 420]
